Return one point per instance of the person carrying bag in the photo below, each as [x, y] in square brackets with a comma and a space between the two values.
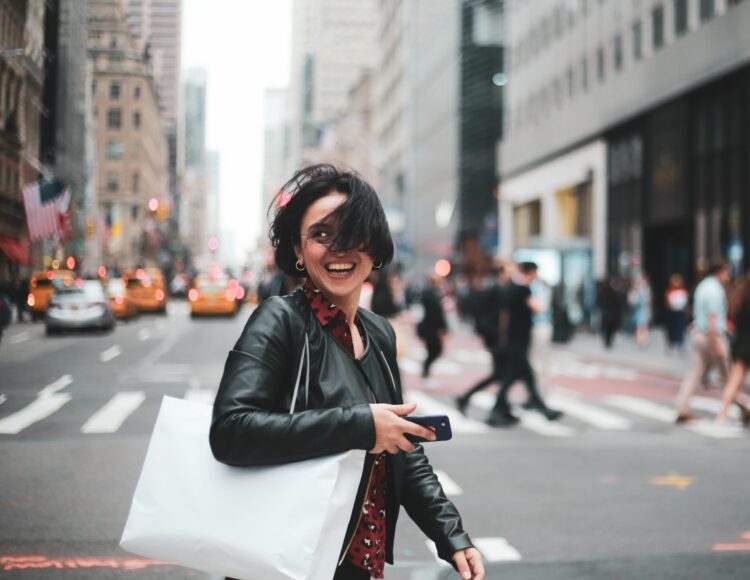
[330, 228]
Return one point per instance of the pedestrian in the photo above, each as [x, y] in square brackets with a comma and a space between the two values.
[676, 300]
[740, 315]
[707, 336]
[514, 343]
[640, 301]
[20, 296]
[489, 306]
[332, 230]
[432, 328]
[609, 310]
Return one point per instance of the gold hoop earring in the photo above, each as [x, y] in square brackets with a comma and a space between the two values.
[378, 266]
[299, 266]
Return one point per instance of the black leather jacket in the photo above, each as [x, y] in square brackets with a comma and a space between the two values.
[252, 425]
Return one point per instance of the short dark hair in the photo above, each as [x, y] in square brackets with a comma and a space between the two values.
[360, 221]
[717, 265]
[527, 267]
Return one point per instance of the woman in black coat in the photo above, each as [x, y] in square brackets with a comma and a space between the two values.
[330, 227]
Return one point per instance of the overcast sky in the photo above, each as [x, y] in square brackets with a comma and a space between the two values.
[244, 45]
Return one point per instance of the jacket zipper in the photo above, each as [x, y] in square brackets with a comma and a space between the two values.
[359, 519]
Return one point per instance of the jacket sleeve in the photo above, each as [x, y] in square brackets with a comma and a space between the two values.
[423, 497]
[250, 427]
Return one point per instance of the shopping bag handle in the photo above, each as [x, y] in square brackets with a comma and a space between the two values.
[305, 353]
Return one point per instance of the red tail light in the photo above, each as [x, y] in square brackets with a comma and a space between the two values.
[229, 294]
[120, 299]
[193, 295]
[160, 295]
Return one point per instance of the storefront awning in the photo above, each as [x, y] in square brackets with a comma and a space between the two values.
[15, 249]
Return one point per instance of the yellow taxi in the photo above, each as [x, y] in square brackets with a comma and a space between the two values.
[122, 304]
[215, 295]
[42, 286]
[146, 289]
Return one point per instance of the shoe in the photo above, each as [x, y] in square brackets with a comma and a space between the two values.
[744, 414]
[461, 404]
[685, 418]
[498, 420]
[552, 414]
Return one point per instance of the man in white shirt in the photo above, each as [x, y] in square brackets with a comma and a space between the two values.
[708, 335]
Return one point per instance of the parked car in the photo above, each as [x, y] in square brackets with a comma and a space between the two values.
[81, 305]
[146, 288]
[41, 288]
[123, 305]
[214, 295]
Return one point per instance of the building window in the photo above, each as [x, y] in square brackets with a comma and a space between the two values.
[600, 64]
[134, 212]
[136, 182]
[137, 92]
[571, 81]
[114, 119]
[113, 182]
[618, 52]
[112, 41]
[114, 91]
[637, 40]
[657, 25]
[706, 10]
[93, 88]
[136, 119]
[680, 17]
[584, 74]
[115, 150]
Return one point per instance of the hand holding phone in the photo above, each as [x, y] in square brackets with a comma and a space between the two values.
[440, 424]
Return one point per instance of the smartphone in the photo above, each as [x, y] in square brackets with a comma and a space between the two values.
[440, 424]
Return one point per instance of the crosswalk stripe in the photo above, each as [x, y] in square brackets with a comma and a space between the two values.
[712, 406]
[641, 407]
[433, 550]
[409, 366]
[714, 430]
[450, 487]
[38, 409]
[496, 549]
[205, 396]
[55, 386]
[3, 398]
[110, 353]
[111, 416]
[144, 334]
[589, 413]
[539, 424]
[426, 405]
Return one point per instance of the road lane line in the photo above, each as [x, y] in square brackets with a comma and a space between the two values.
[641, 407]
[496, 550]
[3, 398]
[426, 405]
[38, 409]
[112, 415]
[55, 386]
[110, 353]
[589, 413]
[19, 338]
[530, 420]
[144, 334]
[450, 487]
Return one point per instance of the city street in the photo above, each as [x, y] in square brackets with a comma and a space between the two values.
[612, 490]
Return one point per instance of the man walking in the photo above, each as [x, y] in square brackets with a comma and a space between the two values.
[513, 344]
[432, 328]
[708, 336]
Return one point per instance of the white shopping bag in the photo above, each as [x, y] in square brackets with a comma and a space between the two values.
[260, 523]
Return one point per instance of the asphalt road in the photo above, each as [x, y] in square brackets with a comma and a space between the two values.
[613, 490]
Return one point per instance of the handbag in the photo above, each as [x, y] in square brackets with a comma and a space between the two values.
[284, 522]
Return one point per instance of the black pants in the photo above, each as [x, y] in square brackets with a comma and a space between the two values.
[495, 376]
[517, 367]
[434, 347]
[348, 571]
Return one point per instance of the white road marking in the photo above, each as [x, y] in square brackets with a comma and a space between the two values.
[204, 396]
[450, 487]
[55, 386]
[472, 356]
[530, 420]
[712, 406]
[641, 407]
[110, 353]
[144, 334]
[496, 549]
[38, 409]
[433, 550]
[426, 405]
[112, 415]
[19, 338]
[589, 413]
[409, 366]
[715, 430]
[3, 398]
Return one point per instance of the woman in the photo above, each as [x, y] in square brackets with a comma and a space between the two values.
[676, 299]
[329, 227]
[739, 312]
[640, 300]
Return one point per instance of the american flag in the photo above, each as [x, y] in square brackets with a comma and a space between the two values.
[46, 204]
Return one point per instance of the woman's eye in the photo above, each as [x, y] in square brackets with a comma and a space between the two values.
[321, 236]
